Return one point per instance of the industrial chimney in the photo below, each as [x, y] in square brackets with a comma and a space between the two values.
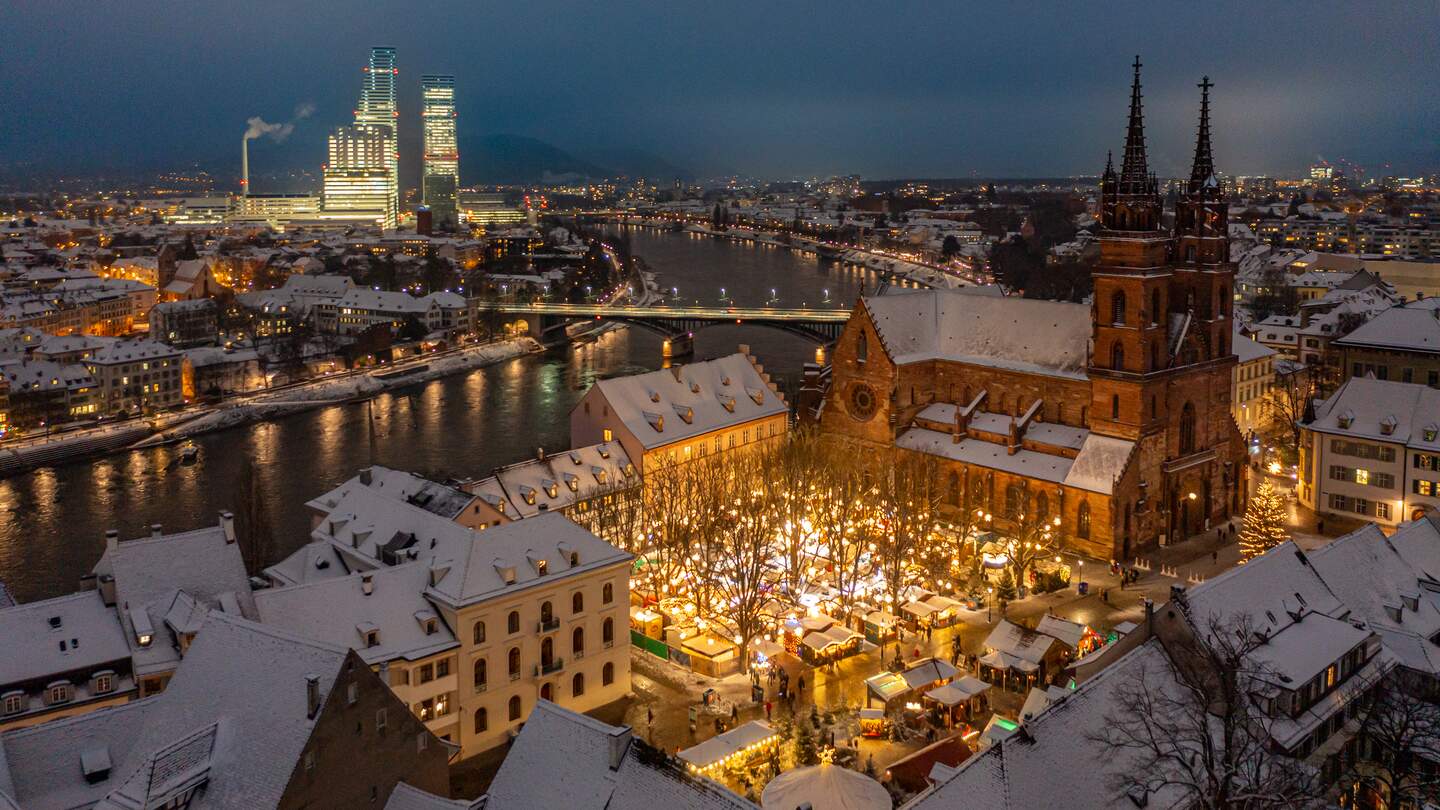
[245, 167]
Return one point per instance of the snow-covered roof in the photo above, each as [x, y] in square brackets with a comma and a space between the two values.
[829, 786]
[408, 797]
[563, 759]
[1247, 350]
[670, 405]
[1094, 468]
[132, 351]
[335, 610]
[151, 573]
[721, 746]
[1408, 328]
[318, 286]
[53, 636]
[235, 713]
[572, 475]
[1019, 642]
[1055, 753]
[1019, 334]
[1382, 411]
[439, 499]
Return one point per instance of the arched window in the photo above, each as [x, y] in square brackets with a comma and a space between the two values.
[977, 490]
[577, 641]
[547, 612]
[512, 622]
[1014, 501]
[1117, 356]
[1187, 429]
[862, 348]
[479, 632]
[481, 676]
[1189, 253]
[547, 652]
[1114, 406]
[1117, 307]
[607, 632]
[607, 593]
[515, 707]
[546, 692]
[1155, 312]
[577, 602]
[953, 492]
[1082, 521]
[577, 685]
[482, 720]
[1042, 506]
[514, 661]
[607, 675]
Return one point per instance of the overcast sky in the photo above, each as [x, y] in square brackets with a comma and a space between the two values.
[776, 89]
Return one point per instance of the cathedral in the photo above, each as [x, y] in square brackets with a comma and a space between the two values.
[1113, 418]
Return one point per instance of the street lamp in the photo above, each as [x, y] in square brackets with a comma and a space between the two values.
[988, 591]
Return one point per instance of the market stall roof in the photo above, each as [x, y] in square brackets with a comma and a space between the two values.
[880, 618]
[1019, 642]
[829, 786]
[999, 728]
[872, 714]
[818, 641]
[817, 622]
[927, 671]
[957, 692]
[940, 602]
[996, 659]
[1068, 632]
[708, 645]
[919, 610]
[887, 686]
[842, 634]
[767, 648]
[721, 746]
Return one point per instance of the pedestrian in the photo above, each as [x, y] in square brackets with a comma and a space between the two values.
[734, 714]
[768, 706]
[1215, 556]
[916, 653]
[800, 685]
[649, 716]
[1320, 526]
[1105, 595]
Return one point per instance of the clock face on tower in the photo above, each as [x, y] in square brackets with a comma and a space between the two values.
[863, 401]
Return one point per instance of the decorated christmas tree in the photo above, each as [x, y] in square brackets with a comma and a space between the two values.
[1005, 592]
[1264, 526]
[805, 752]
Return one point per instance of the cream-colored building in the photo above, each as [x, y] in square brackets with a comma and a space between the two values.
[1251, 382]
[471, 628]
[683, 413]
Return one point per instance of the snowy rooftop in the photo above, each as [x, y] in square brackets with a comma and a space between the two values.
[64, 634]
[562, 759]
[438, 499]
[339, 611]
[1409, 328]
[1100, 461]
[1384, 411]
[561, 479]
[670, 405]
[1041, 337]
[406, 797]
[1248, 350]
[234, 712]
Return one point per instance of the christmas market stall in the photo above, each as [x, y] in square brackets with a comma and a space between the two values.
[1017, 657]
[887, 688]
[711, 655]
[873, 723]
[738, 747]
[999, 728]
[1079, 638]
[960, 700]
[928, 673]
[880, 626]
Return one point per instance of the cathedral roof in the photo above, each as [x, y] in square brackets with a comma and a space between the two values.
[1019, 334]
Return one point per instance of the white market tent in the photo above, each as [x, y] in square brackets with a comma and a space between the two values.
[723, 746]
[957, 692]
[832, 787]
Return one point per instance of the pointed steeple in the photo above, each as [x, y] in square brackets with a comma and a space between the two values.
[1203, 169]
[1134, 174]
[1109, 165]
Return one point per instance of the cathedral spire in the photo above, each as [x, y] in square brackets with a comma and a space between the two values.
[1203, 169]
[1134, 174]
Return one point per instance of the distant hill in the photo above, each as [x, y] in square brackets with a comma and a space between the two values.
[518, 159]
[639, 163]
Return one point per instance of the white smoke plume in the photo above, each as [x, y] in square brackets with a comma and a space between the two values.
[278, 132]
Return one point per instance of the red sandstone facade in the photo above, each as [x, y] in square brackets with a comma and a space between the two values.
[1150, 407]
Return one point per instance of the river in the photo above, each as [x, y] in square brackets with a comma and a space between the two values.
[53, 520]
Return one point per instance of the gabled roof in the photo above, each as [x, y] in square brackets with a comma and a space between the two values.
[661, 407]
[1019, 334]
[1383, 411]
[567, 760]
[33, 634]
[1408, 328]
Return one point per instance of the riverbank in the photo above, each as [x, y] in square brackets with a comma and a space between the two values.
[345, 387]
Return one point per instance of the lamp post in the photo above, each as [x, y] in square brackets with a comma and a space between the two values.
[988, 591]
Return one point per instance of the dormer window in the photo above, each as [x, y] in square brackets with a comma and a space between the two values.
[603, 450]
[104, 683]
[757, 395]
[728, 403]
[529, 495]
[654, 396]
[1387, 425]
[1346, 419]
[58, 692]
[1431, 431]
[12, 703]
[542, 567]
[656, 421]
[552, 489]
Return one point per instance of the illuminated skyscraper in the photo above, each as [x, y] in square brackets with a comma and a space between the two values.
[440, 180]
[363, 172]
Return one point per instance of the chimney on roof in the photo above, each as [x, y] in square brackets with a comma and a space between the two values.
[619, 743]
[367, 584]
[539, 454]
[154, 529]
[1149, 617]
[675, 370]
[227, 524]
[312, 696]
[366, 476]
[112, 539]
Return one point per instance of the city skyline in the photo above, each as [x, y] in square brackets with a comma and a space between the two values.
[779, 96]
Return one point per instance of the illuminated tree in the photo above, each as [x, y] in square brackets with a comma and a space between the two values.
[909, 496]
[842, 517]
[792, 472]
[1264, 525]
[1005, 591]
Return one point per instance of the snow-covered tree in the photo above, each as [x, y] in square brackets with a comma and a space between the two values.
[1264, 526]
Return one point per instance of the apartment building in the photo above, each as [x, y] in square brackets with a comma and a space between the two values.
[1401, 344]
[137, 375]
[1251, 382]
[525, 611]
[682, 413]
[1373, 450]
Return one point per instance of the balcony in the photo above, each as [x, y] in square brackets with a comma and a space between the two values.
[547, 668]
[547, 625]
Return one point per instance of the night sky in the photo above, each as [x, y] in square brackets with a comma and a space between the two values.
[773, 89]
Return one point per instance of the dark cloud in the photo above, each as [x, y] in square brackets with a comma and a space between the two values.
[773, 88]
